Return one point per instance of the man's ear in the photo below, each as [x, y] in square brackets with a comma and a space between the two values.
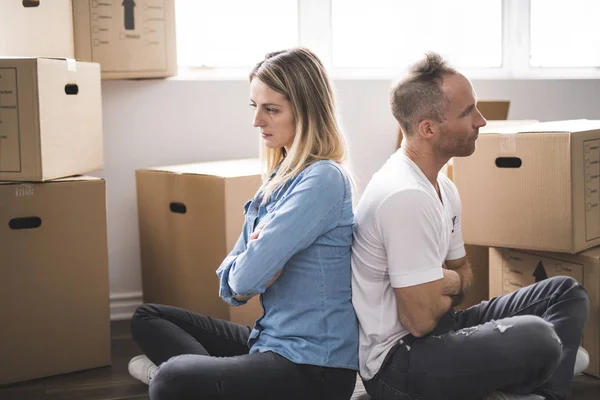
[427, 128]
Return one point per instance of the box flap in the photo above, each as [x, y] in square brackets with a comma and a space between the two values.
[493, 125]
[37, 58]
[74, 178]
[224, 169]
[568, 126]
[594, 252]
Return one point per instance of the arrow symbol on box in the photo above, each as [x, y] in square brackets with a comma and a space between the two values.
[128, 6]
[540, 273]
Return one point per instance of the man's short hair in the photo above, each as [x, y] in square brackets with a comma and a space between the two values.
[419, 96]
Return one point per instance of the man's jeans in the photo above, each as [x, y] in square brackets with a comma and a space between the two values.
[521, 342]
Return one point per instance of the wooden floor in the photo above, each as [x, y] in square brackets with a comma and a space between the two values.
[114, 383]
[108, 383]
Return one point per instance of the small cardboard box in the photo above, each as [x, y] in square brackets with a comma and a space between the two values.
[190, 217]
[130, 39]
[36, 28]
[513, 269]
[534, 187]
[50, 119]
[54, 289]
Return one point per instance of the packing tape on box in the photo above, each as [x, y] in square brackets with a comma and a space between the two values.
[508, 143]
[71, 65]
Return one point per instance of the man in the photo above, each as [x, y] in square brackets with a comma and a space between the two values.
[410, 269]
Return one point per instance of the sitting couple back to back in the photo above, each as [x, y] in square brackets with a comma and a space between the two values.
[369, 290]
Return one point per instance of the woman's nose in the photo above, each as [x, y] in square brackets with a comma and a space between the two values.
[257, 119]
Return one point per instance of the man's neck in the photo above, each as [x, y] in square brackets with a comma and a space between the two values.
[427, 161]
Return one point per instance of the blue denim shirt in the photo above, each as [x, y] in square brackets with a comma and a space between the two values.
[308, 315]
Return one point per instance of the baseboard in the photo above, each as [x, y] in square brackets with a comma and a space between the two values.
[122, 305]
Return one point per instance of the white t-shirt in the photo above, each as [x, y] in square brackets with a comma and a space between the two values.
[403, 234]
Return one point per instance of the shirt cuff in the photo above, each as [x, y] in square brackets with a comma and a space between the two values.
[456, 253]
[416, 277]
[225, 291]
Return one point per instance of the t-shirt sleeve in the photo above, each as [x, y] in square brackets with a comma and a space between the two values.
[410, 225]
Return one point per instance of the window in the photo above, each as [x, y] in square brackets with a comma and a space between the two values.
[233, 33]
[565, 33]
[379, 38]
[391, 33]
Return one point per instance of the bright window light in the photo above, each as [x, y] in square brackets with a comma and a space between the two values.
[565, 33]
[233, 33]
[394, 33]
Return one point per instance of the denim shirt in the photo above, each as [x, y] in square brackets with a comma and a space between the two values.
[308, 315]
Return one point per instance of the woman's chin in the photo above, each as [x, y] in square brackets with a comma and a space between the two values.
[271, 145]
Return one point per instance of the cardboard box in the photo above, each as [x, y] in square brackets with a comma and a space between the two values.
[491, 125]
[534, 187]
[130, 39]
[50, 119]
[54, 289]
[190, 217]
[478, 256]
[479, 259]
[34, 28]
[494, 109]
[513, 269]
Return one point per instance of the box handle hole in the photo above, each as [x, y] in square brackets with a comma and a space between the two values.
[31, 3]
[508, 162]
[25, 223]
[178, 208]
[71, 88]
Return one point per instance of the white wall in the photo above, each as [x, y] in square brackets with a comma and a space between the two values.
[155, 122]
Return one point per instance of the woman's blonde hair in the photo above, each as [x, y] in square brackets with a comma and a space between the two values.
[299, 75]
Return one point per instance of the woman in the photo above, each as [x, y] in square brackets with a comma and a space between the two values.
[294, 251]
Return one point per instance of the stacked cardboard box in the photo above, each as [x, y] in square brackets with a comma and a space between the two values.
[190, 217]
[54, 286]
[479, 255]
[53, 245]
[532, 193]
[128, 39]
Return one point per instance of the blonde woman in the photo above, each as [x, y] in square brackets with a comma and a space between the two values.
[294, 252]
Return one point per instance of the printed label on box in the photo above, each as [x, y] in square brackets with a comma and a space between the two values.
[121, 29]
[591, 169]
[10, 152]
[523, 269]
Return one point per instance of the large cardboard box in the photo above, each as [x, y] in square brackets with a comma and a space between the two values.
[190, 217]
[490, 126]
[478, 257]
[36, 28]
[50, 119]
[130, 39]
[534, 187]
[513, 269]
[54, 289]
